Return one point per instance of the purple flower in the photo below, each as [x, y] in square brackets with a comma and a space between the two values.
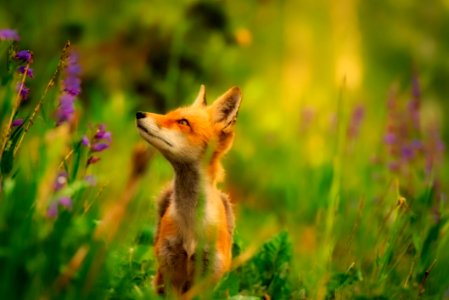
[99, 147]
[407, 152]
[99, 142]
[65, 202]
[23, 90]
[17, 122]
[9, 34]
[72, 85]
[389, 138]
[66, 108]
[60, 181]
[25, 56]
[102, 134]
[29, 71]
[85, 141]
[52, 211]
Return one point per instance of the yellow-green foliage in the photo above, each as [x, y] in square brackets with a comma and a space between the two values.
[338, 172]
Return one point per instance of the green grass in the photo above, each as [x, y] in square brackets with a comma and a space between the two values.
[328, 205]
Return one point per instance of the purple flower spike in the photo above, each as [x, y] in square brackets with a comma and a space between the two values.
[65, 202]
[17, 122]
[60, 181]
[29, 71]
[25, 56]
[99, 147]
[72, 85]
[66, 108]
[52, 211]
[71, 88]
[9, 34]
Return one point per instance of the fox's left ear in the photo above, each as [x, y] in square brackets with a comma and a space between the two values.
[224, 110]
[201, 98]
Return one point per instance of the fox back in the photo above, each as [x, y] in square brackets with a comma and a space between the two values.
[194, 234]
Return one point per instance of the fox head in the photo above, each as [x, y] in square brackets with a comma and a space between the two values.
[183, 135]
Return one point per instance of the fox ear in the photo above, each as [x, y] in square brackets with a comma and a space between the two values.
[224, 110]
[201, 98]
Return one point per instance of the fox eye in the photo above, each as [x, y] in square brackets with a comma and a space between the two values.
[183, 122]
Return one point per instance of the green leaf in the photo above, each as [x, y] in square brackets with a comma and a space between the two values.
[268, 271]
[340, 280]
[7, 161]
[429, 246]
[76, 159]
[228, 286]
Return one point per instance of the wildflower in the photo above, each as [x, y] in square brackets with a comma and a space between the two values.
[53, 208]
[66, 108]
[52, 211]
[71, 88]
[407, 152]
[25, 56]
[29, 71]
[85, 141]
[9, 34]
[100, 142]
[60, 181]
[17, 122]
[23, 91]
[102, 134]
[99, 147]
[65, 202]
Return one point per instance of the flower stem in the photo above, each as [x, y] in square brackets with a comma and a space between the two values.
[7, 131]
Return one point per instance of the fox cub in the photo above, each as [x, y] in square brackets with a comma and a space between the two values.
[196, 222]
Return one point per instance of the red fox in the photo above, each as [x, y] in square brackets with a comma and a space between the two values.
[196, 222]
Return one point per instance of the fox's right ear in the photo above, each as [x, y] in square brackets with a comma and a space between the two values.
[201, 98]
[224, 110]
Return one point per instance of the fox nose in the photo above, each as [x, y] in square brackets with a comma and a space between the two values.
[140, 115]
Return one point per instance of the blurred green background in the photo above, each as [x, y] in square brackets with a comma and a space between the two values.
[323, 82]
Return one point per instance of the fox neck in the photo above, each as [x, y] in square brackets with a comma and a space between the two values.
[188, 193]
[187, 190]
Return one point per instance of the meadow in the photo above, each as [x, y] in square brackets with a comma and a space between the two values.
[338, 174]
